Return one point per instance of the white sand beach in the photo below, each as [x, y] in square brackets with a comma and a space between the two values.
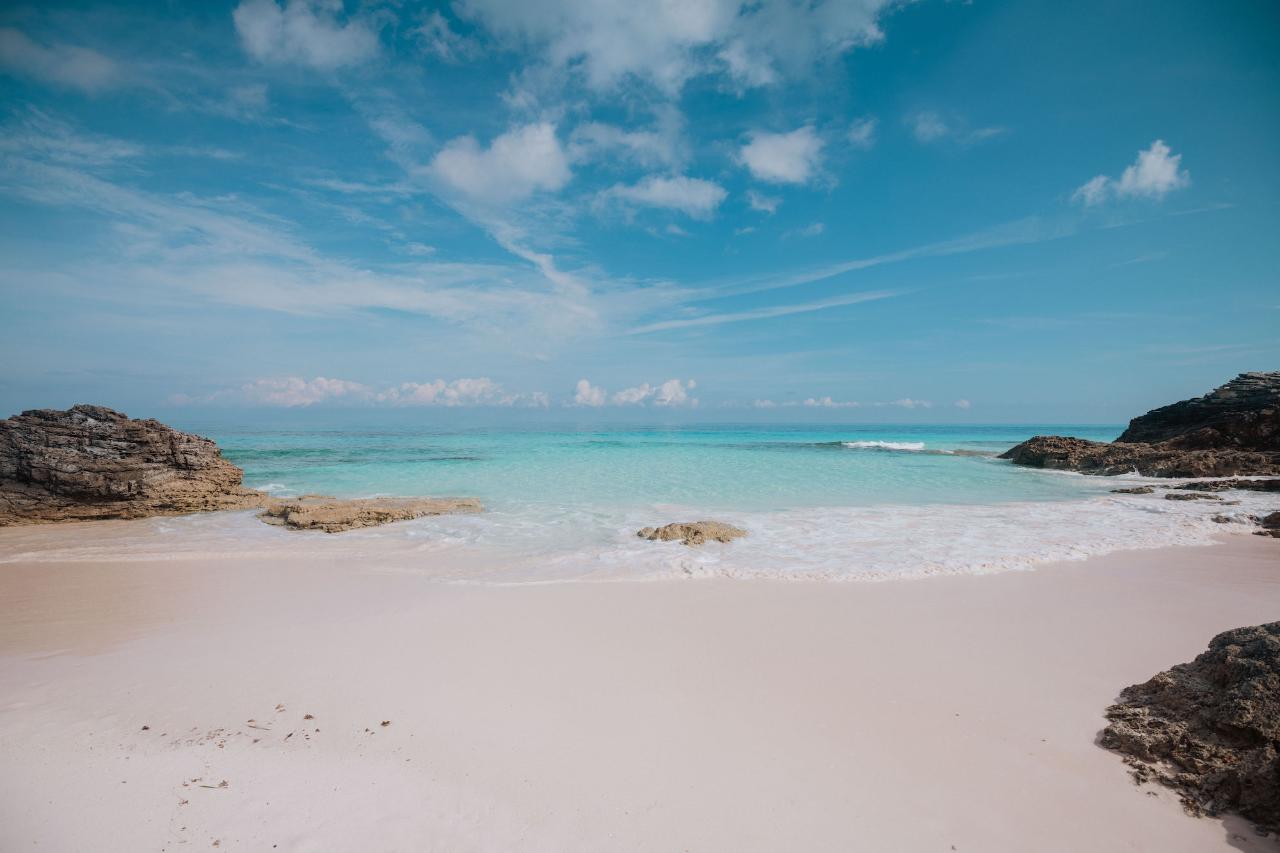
[269, 703]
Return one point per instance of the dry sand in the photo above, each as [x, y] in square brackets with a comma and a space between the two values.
[953, 713]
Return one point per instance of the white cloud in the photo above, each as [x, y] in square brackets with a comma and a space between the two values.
[437, 38]
[61, 64]
[862, 133]
[813, 229]
[586, 394]
[762, 313]
[962, 404]
[665, 44]
[480, 391]
[928, 126]
[694, 197]
[783, 158]
[673, 392]
[306, 32]
[764, 404]
[293, 391]
[633, 396]
[763, 203]
[517, 163]
[829, 403]
[908, 403]
[1156, 173]
[660, 146]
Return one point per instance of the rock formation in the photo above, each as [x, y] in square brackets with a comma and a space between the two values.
[1210, 728]
[90, 462]
[1270, 525]
[1244, 414]
[317, 512]
[1234, 430]
[692, 532]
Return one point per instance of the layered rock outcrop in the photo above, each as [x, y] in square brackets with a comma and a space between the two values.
[1210, 728]
[317, 512]
[1233, 430]
[90, 462]
[692, 532]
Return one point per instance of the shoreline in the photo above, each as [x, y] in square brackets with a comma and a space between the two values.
[748, 715]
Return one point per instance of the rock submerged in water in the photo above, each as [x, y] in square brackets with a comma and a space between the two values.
[1134, 490]
[692, 532]
[91, 462]
[1233, 430]
[331, 515]
[1210, 728]
[1270, 525]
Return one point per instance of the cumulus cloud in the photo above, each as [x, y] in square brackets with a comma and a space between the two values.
[1156, 173]
[908, 403]
[962, 404]
[673, 392]
[516, 164]
[480, 391]
[305, 32]
[694, 197]
[782, 158]
[665, 44]
[586, 394]
[61, 64]
[660, 145]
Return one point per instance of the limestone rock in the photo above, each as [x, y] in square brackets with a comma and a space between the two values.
[1190, 496]
[1134, 490]
[331, 515]
[1233, 430]
[1210, 728]
[1244, 414]
[1270, 525]
[90, 462]
[692, 532]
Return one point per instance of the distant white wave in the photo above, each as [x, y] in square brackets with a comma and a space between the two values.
[884, 445]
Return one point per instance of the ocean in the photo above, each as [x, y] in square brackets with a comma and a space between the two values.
[854, 502]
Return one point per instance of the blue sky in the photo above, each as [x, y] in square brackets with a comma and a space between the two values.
[778, 210]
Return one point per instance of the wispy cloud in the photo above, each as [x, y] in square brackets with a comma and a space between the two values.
[764, 313]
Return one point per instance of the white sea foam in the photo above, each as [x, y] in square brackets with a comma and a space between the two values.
[539, 543]
[884, 445]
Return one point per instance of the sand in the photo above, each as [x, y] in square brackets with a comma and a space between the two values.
[284, 704]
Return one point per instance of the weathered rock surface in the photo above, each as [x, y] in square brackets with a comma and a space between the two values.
[693, 532]
[1244, 414]
[1190, 496]
[1210, 728]
[1134, 490]
[1150, 460]
[90, 462]
[331, 515]
[1234, 430]
[1267, 485]
[1270, 525]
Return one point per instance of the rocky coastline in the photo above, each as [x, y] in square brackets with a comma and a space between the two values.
[1233, 431]
[92, 463]
[1210, 729]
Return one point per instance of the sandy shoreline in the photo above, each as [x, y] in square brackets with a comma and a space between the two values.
[948, 713]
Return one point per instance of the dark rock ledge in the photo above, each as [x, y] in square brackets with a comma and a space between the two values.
[1231, 431]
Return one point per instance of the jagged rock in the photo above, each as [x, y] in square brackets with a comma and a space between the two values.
[1135, 490]
[1244, 414]
[692, 533]
[1210, 728]
[1269, 485]
[331, 515]
[1270, 525]
[1149, 460]
[90, 462]
[1234, 430]
[1190, 496]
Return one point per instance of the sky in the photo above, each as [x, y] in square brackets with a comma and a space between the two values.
[777, 210]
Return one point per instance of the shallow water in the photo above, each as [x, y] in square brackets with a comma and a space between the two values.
[838, 503]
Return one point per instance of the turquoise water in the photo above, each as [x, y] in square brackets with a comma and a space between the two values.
[863, 502]
[721, 467]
